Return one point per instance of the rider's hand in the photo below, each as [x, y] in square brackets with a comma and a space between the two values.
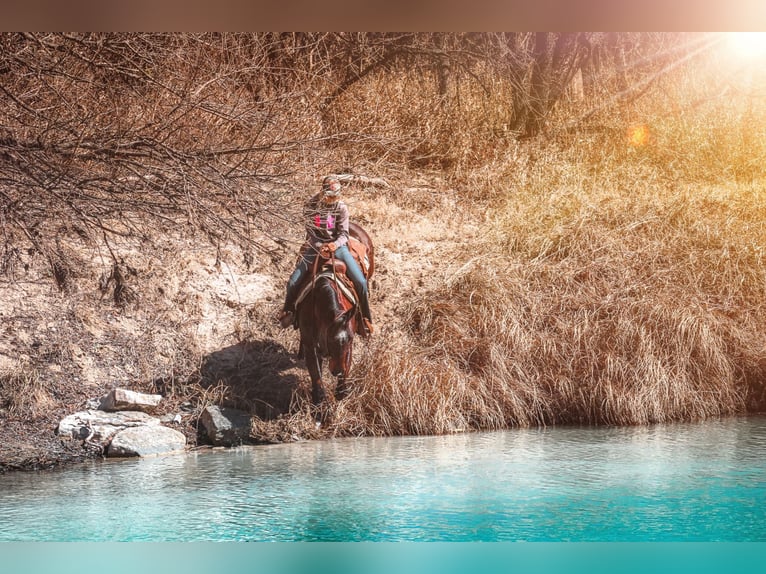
[328, 249]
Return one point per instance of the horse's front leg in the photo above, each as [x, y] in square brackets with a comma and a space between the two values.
[314, 366]
[343, 368]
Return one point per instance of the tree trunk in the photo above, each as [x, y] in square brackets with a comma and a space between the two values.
[553, 61]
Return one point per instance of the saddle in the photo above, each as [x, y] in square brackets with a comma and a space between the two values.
[359, 251]
[336, 269]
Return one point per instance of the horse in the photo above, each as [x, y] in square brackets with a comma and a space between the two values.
[327, 318]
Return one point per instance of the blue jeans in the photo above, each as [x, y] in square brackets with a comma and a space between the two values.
[353, 271]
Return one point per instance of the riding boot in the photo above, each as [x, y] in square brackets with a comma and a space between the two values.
[367, 329]
[287, 315]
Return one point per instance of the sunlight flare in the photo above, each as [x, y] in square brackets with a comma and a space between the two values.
[638, 135]
[747, 45]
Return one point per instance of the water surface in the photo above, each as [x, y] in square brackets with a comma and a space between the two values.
[683, 482]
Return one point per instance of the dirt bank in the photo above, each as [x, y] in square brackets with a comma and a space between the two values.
[193, 322]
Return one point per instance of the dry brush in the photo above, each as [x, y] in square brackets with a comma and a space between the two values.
[624, 306]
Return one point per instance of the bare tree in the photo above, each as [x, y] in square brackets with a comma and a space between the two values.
[116, 133]
[107, 134]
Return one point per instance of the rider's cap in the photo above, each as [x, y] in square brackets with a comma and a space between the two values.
[331, 186]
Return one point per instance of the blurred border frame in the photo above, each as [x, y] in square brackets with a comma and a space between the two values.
[383, 15]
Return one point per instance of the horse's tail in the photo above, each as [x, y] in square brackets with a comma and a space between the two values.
[358, 233]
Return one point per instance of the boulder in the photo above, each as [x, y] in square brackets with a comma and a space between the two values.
[99, 427]
[225, 426]
[125, 400]
[146, 441]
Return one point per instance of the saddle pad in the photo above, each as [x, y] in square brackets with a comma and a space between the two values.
[349, 293]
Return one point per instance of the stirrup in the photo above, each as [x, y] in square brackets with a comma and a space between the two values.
[367, 329]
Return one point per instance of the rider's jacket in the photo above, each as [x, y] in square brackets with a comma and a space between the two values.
[326, 222]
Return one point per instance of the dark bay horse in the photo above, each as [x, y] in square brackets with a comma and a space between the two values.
[328, 320]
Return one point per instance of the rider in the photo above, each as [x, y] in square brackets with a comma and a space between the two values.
[326, 219]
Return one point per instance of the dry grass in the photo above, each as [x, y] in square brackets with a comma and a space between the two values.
[635, 306]
[609, 285]
[24, 393]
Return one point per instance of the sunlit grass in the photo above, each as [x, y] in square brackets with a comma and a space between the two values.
[627, 306]
[620, 279]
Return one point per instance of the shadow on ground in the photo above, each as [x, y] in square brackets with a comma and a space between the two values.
[259, 377]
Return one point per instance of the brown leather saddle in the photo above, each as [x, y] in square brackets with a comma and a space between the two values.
[336, 269]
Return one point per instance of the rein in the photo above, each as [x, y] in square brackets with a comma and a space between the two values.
[315, 267]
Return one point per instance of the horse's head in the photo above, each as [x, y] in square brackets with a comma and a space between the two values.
[328, 324]
[339, 341]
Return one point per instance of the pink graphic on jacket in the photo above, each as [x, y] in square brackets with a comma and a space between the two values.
[330, 222]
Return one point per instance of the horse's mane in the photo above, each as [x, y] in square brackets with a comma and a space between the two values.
[326, 297]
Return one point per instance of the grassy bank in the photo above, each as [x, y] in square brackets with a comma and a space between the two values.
[613, 298]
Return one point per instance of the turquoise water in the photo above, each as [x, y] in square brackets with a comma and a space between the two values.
[685, 482]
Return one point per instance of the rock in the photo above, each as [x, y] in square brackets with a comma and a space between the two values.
[92, 404]
[122, 433]
[99, 427]
[124, 400]
[171, 418]
[145, 441]
[224, 426]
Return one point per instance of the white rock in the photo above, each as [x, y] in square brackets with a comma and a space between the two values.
[100, 426]
[146, 441]
[125, 400]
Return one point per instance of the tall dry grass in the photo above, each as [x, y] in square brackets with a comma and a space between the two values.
[617, 282]
[587, 306]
